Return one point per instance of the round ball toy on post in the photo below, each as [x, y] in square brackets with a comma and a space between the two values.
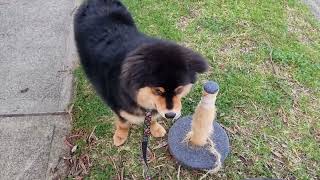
[199, 142]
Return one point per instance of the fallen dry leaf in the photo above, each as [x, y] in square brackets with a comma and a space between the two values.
[74, 149]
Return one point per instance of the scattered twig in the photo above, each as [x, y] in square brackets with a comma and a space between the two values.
[70, 109]
[68, 143]
[228, 129]
[74, 136]
[160, 145]
[74, 167]
[271, 60]
[134, 178]
[151, 155]
[178, 175]
[83, 166]
[122, 174]
[55, 168]
[115, 167]
[278, 160]
[88, 160]
[161, 158]
[282, 113]
[92, 136]
[78, 178]
[78, 173]
[254, 105]
[159, 166]
[169, 176]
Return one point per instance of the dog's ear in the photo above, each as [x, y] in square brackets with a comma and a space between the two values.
[133, 69]
[197, 63]
[132, 65]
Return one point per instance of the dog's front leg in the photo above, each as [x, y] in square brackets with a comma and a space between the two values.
[122, 132]
[156, 129]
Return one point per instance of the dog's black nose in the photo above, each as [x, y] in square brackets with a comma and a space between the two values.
[170, 115]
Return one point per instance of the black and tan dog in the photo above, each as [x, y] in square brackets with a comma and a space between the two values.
[132, 72]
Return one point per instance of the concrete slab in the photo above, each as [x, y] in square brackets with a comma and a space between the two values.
[36, 54]
[31, 146]
[56, 165]
[314, 6]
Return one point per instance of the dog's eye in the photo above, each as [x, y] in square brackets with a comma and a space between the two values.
[158, 92]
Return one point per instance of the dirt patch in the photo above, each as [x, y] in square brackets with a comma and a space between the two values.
[240, 44]
[79, 161]
[185, 21]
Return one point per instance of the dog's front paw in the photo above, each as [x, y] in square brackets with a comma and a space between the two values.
[157, 130]
[120, 137]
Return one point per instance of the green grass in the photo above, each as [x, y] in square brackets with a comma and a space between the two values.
[265, 56]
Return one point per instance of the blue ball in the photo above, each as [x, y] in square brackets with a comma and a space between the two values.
[211, 87]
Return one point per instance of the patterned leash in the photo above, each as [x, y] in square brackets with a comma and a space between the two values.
[144, 144]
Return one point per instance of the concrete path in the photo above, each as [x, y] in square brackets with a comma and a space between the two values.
[314, 6]
[36, 58]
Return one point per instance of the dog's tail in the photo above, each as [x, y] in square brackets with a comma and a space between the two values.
[101, 6]
[111, 8]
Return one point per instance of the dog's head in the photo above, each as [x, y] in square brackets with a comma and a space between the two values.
[158, 75]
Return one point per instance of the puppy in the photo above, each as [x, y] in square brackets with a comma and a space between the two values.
[131, 71]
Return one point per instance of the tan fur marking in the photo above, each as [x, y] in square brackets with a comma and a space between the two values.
[131, 118]
[146, 98]
[177, 103]
[121, 134]
[162, 106]
[161, 103]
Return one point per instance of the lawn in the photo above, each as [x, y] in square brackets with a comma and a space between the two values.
[265, 55]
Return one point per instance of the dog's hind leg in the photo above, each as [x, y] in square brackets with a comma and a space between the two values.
[122, 132]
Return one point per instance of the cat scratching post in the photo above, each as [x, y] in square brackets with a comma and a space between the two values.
[198, 142]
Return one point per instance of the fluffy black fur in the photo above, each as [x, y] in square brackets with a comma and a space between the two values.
[118, 59]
